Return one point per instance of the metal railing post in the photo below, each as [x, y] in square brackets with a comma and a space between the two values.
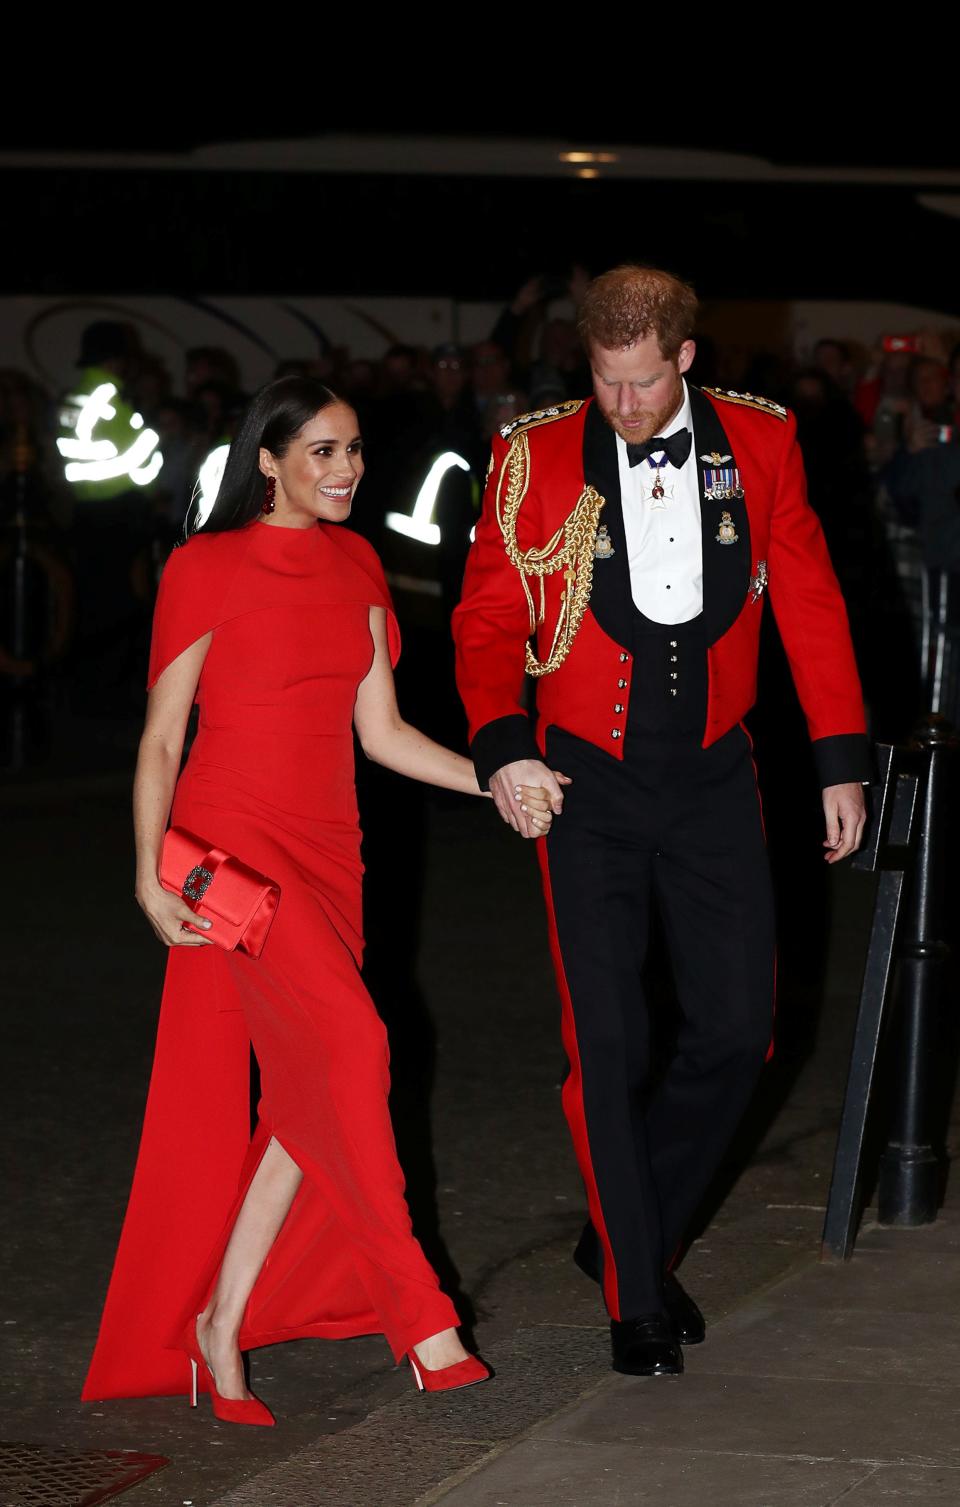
[908, 1190]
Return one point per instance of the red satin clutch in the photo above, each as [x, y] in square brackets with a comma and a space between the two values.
[239, 902]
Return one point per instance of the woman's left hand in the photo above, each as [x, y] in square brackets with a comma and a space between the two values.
[535, 801]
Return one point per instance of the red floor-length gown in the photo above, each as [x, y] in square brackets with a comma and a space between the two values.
[270, 778]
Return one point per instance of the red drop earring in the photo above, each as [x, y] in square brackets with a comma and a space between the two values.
[270, 495]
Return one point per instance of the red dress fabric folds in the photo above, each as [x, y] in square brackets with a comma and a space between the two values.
[270, 780]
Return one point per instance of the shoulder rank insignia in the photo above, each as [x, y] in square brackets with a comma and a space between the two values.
[541, 416]
[747, 400]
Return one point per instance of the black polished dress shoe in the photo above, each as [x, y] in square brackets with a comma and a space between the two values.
[689, 1327]
[645, 1346]
[686, 1320]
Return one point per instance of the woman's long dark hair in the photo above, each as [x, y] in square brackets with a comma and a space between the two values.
[275, 416]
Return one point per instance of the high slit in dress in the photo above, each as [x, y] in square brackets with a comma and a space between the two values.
[270, 778]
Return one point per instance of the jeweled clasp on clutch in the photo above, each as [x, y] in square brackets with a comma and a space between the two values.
[196, 884]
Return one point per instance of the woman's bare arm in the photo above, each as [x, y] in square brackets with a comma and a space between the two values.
[158, 764]
[387, 739]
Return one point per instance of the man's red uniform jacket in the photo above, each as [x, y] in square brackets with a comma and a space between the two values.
[779, 550]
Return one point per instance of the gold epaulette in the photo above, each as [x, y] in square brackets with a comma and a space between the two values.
[748, 400]
[541, 416]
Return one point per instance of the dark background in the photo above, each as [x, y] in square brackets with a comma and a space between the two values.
[474, 238]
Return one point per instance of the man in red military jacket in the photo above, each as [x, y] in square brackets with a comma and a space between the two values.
[626, 547]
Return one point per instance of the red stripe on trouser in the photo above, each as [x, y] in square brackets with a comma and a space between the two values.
[572, 1096]
[763, 829]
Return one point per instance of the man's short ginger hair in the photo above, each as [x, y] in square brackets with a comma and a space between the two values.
[630, 302]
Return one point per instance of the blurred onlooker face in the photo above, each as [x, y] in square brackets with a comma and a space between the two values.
[832, 359]
[501, 408]
[172, 421]
[931, 384]
[212, 402]
[358, 379]
[491, 369]
[398, 369]
[151, 386]
[207, 363]
[895, 373]
[21, 401]
[448, 374]
[560, 344]
[809, 392]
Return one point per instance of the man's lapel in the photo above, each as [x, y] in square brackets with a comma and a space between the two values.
[610, 599]
[724, 522]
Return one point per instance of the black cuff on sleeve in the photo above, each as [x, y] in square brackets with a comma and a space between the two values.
[502, 742]
[844, 759]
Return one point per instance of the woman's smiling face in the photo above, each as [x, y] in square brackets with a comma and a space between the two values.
[318, 475]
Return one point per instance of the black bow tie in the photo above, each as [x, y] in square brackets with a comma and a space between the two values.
[676, 448]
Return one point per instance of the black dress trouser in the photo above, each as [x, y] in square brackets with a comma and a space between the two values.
[680, 826]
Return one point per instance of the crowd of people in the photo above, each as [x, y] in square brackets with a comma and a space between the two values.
[878, 430]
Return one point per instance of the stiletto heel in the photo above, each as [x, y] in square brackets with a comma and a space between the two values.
[227, 1409]
[464, 1373]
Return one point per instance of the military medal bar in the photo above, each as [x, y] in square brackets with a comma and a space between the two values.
[721, 479]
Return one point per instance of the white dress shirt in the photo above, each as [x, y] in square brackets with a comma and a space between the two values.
[664, 541]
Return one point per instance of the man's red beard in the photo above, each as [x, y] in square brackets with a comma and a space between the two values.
[646, 424]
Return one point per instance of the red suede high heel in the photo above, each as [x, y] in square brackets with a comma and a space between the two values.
[227, 1409]
[464, 1373]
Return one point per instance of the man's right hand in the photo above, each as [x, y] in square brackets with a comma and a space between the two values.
[506, 782]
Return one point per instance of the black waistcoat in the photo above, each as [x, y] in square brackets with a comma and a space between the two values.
[726, 570]
[669, 689]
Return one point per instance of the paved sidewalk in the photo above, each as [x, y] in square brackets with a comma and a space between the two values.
[840, 1384]
[477, 1066]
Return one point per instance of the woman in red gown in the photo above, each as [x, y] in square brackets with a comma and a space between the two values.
[278, 622]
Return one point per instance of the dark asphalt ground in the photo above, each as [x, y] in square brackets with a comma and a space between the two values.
[459, 965]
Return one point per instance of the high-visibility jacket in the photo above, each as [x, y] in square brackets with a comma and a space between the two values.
[105, 447]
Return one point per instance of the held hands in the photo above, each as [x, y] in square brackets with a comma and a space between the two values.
[845, 811]
[167, 913]
[528, 796]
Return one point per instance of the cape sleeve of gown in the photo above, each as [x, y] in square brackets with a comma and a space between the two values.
[365, 556]
[192, 594]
